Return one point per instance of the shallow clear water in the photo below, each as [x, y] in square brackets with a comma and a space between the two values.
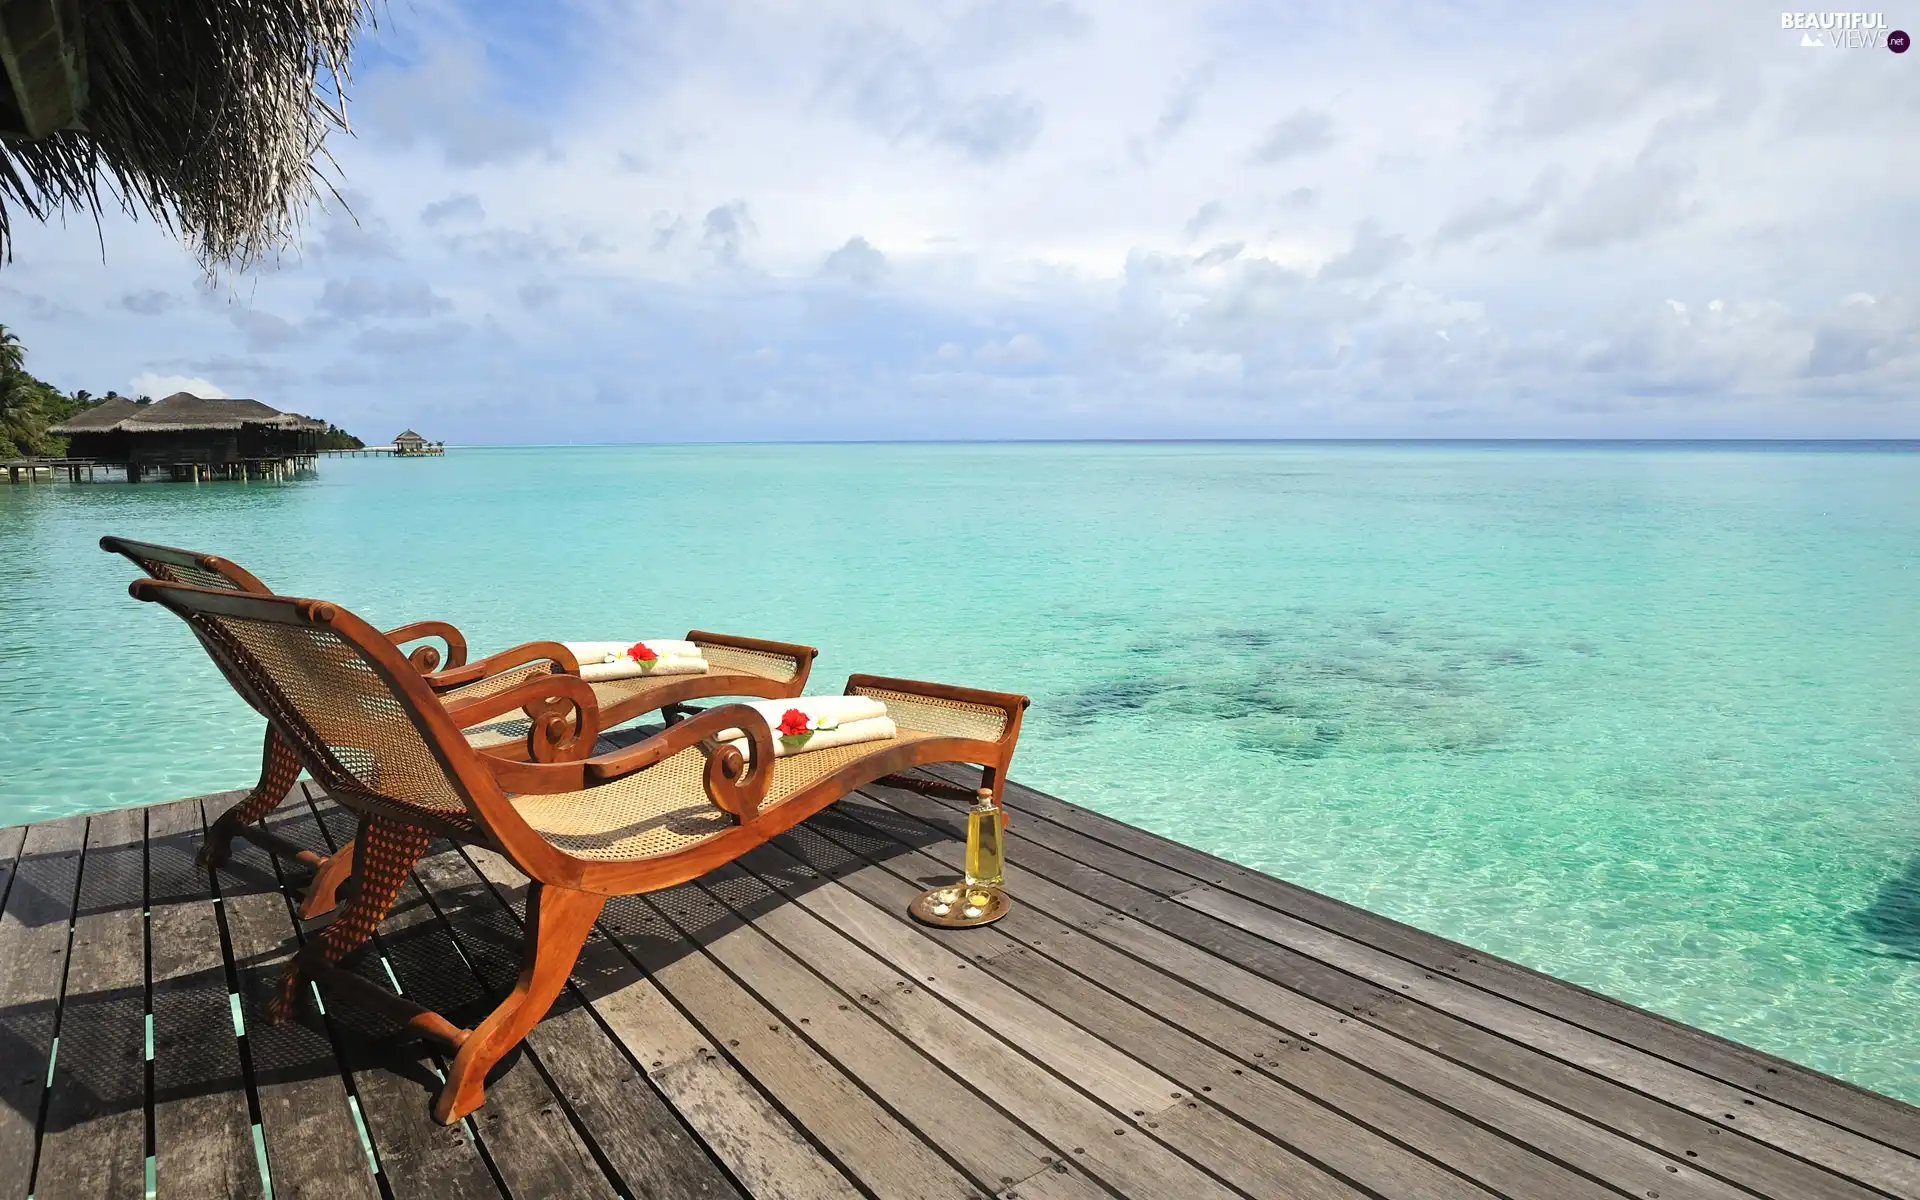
[1643, 718]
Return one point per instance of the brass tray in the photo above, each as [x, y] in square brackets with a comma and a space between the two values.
[953, 898]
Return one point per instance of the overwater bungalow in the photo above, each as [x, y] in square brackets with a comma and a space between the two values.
[409, 444]
[189, 437]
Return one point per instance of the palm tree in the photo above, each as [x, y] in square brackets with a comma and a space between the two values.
[23, 420]
[19, 403]
[13, 356]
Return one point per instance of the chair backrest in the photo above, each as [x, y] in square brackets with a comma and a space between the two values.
[361, 720]
[171, 564]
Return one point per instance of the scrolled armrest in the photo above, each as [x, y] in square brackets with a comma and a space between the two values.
[563, 715]
[522, 655]
[1011, 705]
[734, 784]
[801, 656]
[426, 659]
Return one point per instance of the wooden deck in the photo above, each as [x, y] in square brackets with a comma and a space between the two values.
[1149, 1022]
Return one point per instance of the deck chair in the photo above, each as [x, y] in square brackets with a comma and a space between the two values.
[539, 732]
[371, 731]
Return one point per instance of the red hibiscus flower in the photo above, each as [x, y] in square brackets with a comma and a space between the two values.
[793, 723]
[641, 652]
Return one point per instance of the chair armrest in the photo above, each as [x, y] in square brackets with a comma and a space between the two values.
[561, 710]
[493, 664]
[801, 656]
[733, 784]
[426, 659]
[940, 695]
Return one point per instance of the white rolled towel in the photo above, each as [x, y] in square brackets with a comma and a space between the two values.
[607, 652]
[627, 668]
[872, 729]
[843, 710]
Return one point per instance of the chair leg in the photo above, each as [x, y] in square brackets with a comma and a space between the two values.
[385, 851]
[278, 771]
[558, 921]
[324, 892]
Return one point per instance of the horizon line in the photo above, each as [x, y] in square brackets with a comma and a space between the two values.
[1072, 441]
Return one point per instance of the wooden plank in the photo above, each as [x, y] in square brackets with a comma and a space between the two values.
[1211, 1081]
[312, 1141]
[394, 1075]
[94, 1139]
[643, 1143]
[1467, 1078]
[1837, 1149]
[528, 1133]
[1079, 1128]
[523, 1131]
[11, 839]
[1356, 1062]
[759, 1146]
[649, 1148]
[34, 930]
[1059, 1182]
[933, 998]
[175, 833]
[1315, 950]
[993, 1150]
[202, 1128]
[1833, 1100]
[864, 1139]
[1120, 1080]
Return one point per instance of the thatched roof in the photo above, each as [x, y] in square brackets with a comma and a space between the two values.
[207, 115]
[98, 419]
[180, 411]
[408, 436]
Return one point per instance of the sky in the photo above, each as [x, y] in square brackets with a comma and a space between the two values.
[595, 221]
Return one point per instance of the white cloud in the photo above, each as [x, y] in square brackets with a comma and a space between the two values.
[1015, 350]
[857, 261]
[1060, 219]
[1625, 203]
[465, 207]
[161, 386]
[1299, 134]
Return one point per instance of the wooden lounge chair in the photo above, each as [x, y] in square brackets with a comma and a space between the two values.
[537, 732]
[371, 730]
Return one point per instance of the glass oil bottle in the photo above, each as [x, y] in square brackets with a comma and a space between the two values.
[986, 849]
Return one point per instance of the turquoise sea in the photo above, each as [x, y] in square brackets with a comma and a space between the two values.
[1644, 717]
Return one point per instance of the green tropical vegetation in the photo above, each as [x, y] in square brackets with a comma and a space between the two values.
[336, 438]
[29, 405]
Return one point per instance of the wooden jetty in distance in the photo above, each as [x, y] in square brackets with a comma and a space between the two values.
[407, 445]
[76, 470]
[1149, 1021]
[434, 449]
[88, 470]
